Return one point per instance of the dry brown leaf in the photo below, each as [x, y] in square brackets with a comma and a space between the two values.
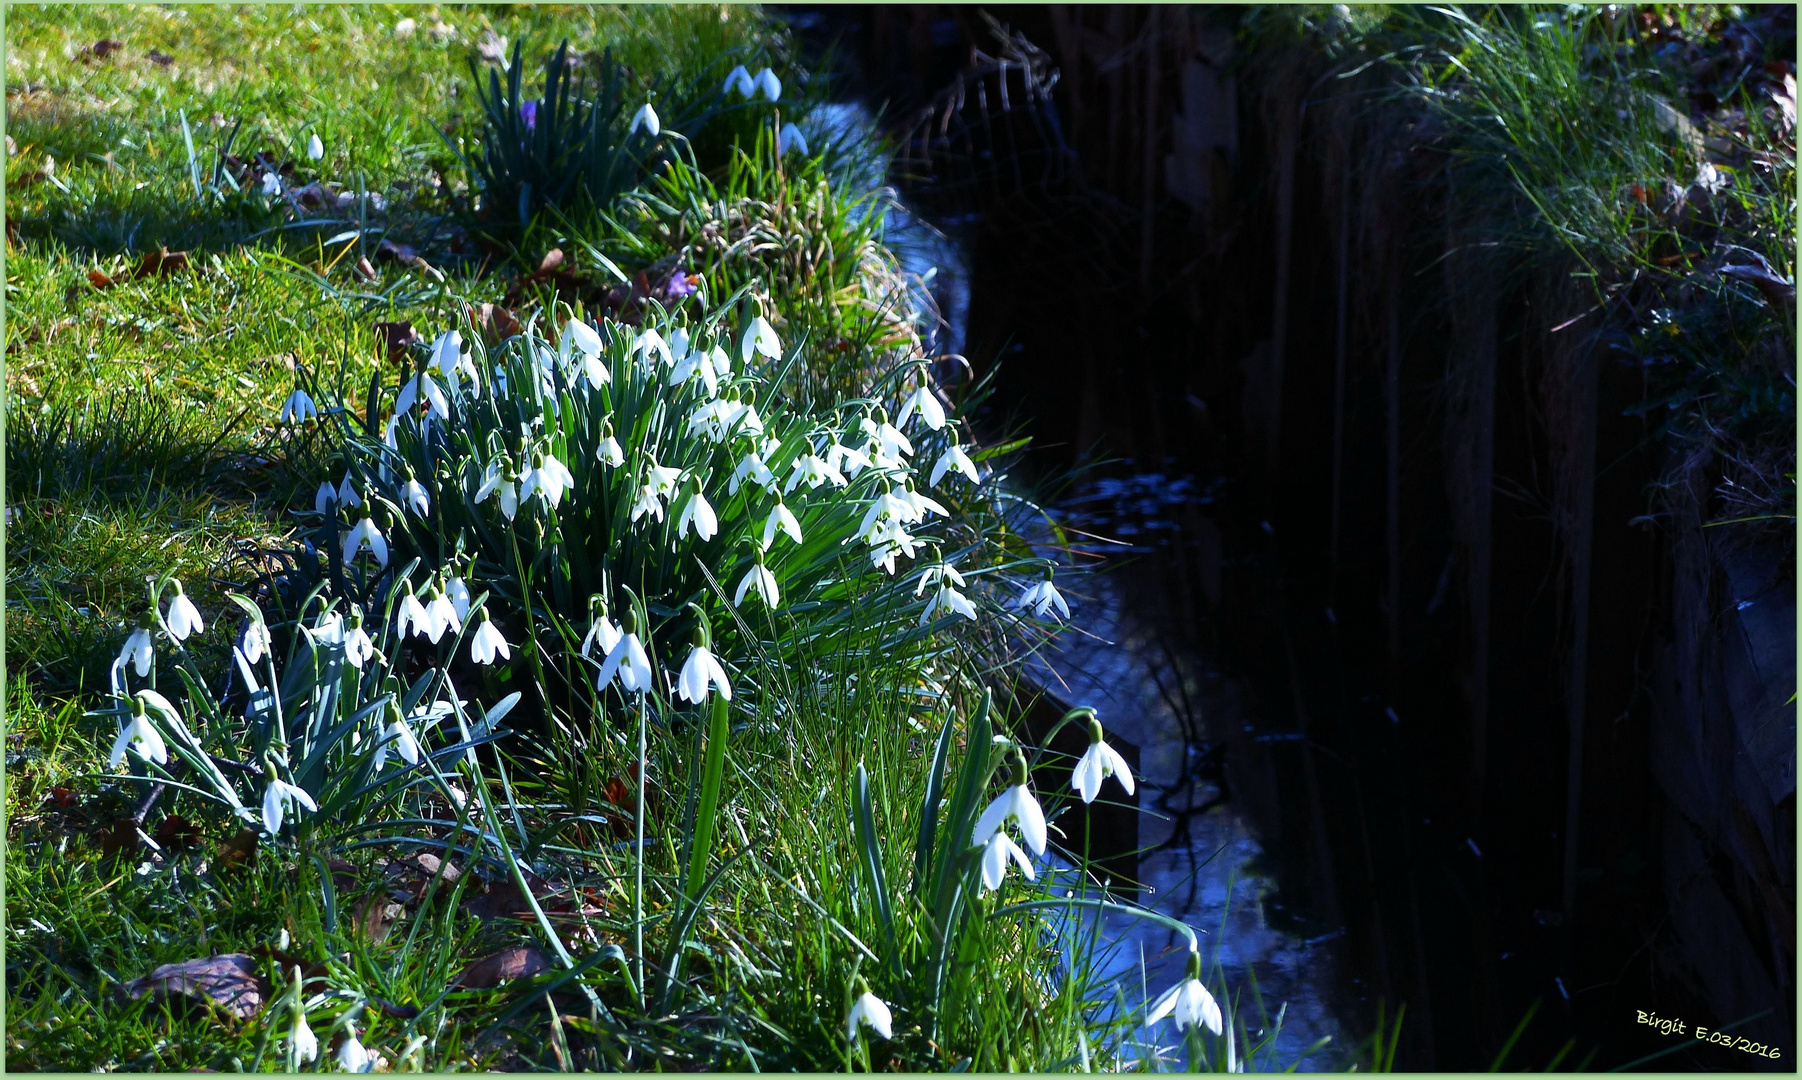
[516, 963]
[240, 850]
[229, 981]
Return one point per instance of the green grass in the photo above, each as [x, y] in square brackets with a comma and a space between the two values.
[142, 442]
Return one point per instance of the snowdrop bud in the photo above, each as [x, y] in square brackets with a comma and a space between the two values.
[315, 148]
[646, 118]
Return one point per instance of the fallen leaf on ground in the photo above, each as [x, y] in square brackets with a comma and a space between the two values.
[515, 963]
[102, 49]
[160, 58]
[176, 833]
[228, 981]
[120, 839]
[240, 850]
[395, 337]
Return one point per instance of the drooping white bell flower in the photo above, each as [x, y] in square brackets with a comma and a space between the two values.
[648, 502]
[701, 669]
[299, 408]
[769, 85]
[315, 148]
[347, 493]
[885, 508]
[791, 141]
[458, 591]
[871, 1011]
[764, 582]
[412, 615]
[139, 736]
[138, 651]
[954, 458]
[651, 343]
[398, 740]
[366, 535]
[753, 469]
[698, 513]
[646, 118]
[272, 184]
[888, 436]
[662, 480]
[934, 575]
[814, 471]
[256, 641]
[499, 481]
[325, 500]
[415, 497]
[580, 342]
[760, 337]
[739, 81]
[486, 643]
[276, 798]
[1098, 763]
[602, 633]
[357, 647]
[183, 617]
[352, 1057]
[422, 387]
[995, 854]
[609, 452]
[302, 1042]
[780, 518]
[1042, 598]
[1188, 1001]
[443, 615]
[948, 599]
[921, 505]
[547, 477]
[627, 659]
[932, 414]
[1016, 804]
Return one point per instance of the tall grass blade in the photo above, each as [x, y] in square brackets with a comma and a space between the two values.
[708, 811]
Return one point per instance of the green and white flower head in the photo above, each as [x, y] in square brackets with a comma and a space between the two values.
[1042, 597]
[303, 1045]
[315, 148]
[1188, 1001]
[278, 795]
[789, 140]
[869, 1011]
[769, 85]
[1098, 763]
[487, 643]
[995, 855]
[601, 631]
[299, 408]
[1015, 804]
[650, 343]
[366, 535]
[580, 344]
[443, 615]
[701, 669]
[548, 478]
[813, 471]
[697, 513]
[738, 81]
[352, 1057]
[422, 388]
[358, 649]
[411, 615]
[926, 403]
[954, 460]
[781, 518]
[609, 452]
[397, 739]
[457, 590]
[140, 737]
[760, 580]
[627, 659]
[183, 618]
[139, 649]
[414, 496]
[645, 118]
[751, 467]
[500, 479]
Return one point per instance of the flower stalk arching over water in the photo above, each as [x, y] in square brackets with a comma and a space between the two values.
[1097, 763]
[1188, 1002]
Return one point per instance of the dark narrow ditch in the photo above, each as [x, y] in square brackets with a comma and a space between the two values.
[1351, 680]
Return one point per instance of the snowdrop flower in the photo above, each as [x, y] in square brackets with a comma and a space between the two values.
[443, 614]
[1098, 763]
[760, 579]
[414, 495]
[739, 80]
[325, 500]
[697, 512]
[315, 148]
[932, 414]
[952, 459]
[352, 1057]
[651, 342]
[1018, 804]
[601, 630]
[609, 452]
[920, 505]
[646, 118]
[1042, 598]
[347, 494]
[887, 507]
[1189, 1001]
[760, 337]
[183, 617]
[397, 739]
[722, 364]
[943, 572]
[458, 592]
[850, 461]
[888, 436]
[357, 646]
[277, 797]
[256, 642]
[791, 141]
[628, 660]
[695, 363]
[413, 615]
[453, 362]
[780, 518]
[499, 480]
[995, 854]
[886, 541]
[814, 471]
[869, 1010]
[138, 651]
[751, 468]
[422, 387]
[486, 642]
[547, 477]
[272, 184]
[701, 669]
[948, 599]
[579, 339]
[366, 535]
[299, 408]
[769, 85]
[716, 419]
[140, 737]
[304, 1043]
[662, 480]
[647, 503]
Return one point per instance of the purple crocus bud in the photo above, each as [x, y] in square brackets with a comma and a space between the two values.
[679, 285]
[529, 113]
